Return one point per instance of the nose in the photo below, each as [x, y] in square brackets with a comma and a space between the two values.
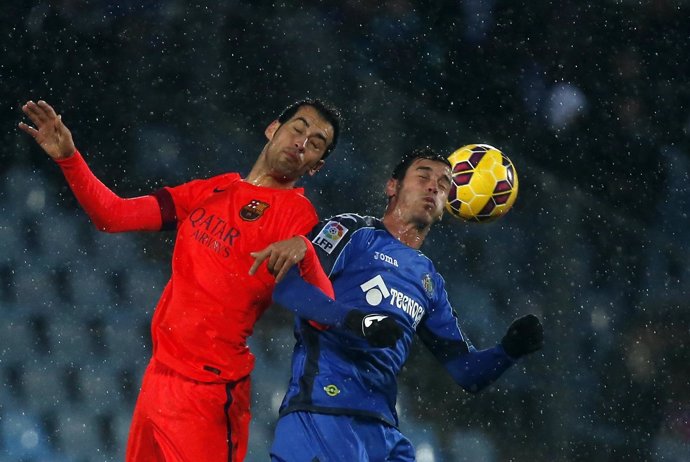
[301, 144]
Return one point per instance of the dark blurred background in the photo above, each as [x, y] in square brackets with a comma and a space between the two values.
[589, 100]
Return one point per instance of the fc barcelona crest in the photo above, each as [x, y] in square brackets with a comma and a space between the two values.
[254, 210]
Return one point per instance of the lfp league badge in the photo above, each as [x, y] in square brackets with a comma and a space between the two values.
[329, 236]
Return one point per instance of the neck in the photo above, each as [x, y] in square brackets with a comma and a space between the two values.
[262, 175]
[263, 178]
[409, 233]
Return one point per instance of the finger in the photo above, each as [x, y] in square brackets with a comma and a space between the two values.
[275, 262]
[47, 109]
[35, 113]
[28, 129]
[259, 258]
[281, 274]
[287, 266]
[28, 110]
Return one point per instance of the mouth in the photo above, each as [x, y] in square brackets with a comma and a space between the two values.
[430, 200]
[294, 155]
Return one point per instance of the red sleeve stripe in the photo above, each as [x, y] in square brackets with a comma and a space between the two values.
[167, 206]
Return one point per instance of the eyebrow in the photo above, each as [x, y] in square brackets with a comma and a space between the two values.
[318, 134]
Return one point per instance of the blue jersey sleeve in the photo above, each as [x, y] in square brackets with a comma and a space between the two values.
[331, 239]
[308, 301]
[472, 369]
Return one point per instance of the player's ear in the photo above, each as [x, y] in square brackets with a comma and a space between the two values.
[271, 129]
[391, 188]
[316, 167]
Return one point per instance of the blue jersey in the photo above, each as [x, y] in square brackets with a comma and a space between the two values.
[334, 371]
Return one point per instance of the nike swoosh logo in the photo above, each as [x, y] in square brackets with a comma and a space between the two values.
[216, 190]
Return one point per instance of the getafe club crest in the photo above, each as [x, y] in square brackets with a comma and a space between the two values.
[428, 284]
[254, 210]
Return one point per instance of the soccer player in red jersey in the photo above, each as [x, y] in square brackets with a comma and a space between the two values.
[194, 400]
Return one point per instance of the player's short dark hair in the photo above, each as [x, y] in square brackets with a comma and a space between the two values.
[328, 111]
[426, 152]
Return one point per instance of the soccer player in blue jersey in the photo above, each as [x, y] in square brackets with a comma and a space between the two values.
[340, 404]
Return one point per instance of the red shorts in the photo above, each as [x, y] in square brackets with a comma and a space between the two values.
[177, 419]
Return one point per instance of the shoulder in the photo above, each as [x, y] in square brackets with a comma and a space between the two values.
[433, 281]
[297, 197]
[338, 231]
[354, 221]
[430, 269]
[230, 177]
[293, 204]
[217, 181]
[351, 224]
[227, 178]
[201, 187]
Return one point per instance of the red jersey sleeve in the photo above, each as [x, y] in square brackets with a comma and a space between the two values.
[311, 270]
[301, 222]
[108, 211]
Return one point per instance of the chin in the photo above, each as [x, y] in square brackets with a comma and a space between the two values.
[423, 221]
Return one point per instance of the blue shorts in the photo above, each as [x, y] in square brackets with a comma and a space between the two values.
[310, 437]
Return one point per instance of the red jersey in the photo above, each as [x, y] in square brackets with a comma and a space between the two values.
[211, 303]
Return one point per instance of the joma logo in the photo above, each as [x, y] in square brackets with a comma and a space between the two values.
[386, 258]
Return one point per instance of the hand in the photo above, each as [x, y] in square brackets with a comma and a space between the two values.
[378, 329]
[50, 133]
[281, 255]
[525, 335]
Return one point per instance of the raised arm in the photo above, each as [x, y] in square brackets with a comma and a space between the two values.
[474, 369]
[470, 368]
[108, 211]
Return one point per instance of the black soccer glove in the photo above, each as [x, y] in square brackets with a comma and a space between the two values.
[525, 335]
[378, 329]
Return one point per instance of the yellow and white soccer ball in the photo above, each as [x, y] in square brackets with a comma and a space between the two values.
[485, 183]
